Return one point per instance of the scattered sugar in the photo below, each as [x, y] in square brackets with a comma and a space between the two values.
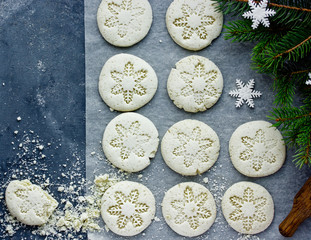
[76, 213]
[247, 237]
[40, 147]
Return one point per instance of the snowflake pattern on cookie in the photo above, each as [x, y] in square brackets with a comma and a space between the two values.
[128, 209]
[30, 201]
[194, 21]
[191, 208]
[258, 150]
[124, 16]
[129, 82]
[129, 140]
[199, 84]
[248, 209]
[193, 147]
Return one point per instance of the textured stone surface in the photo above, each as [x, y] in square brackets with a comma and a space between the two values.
[42, 81]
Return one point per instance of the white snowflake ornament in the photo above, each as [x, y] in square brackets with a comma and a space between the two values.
[259, 13]
[245, 93]
[308, 82]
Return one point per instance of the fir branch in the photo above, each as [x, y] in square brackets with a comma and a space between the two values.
[242, 31]
[285, 89]
[229, 6]
[293, 46]
[293, 118]
[295, 124]
[301, 71]
[303, 155]
[285, 84]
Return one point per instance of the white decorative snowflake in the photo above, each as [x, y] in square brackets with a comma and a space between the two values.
[308, 82]
[259, 13]
[245, 93]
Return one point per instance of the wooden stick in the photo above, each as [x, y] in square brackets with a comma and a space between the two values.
[301, 210]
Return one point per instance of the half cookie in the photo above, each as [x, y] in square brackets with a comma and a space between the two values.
[129, 140]
[127, 82]
[29, 203]
[123, 23]
[195, 84]
[189, 209]
[248, 207]
[190, 147]
[128, 208]
[194, 24]
[257, 149]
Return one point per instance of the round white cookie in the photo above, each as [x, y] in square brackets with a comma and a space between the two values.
[129, 140]
[194, 24]
[195, 84]
[248, 207]
[189, 209]
[257, 149]
[123, 23]
[127, 82]
[128, 208]
[29, 203]
[190, 147]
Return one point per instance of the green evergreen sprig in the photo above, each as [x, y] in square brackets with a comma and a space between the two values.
[282, 51]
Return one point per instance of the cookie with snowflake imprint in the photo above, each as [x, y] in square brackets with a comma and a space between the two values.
[189, 209]
[190, 147]
[124, 23]
[29, 203]
[127, 82]
[257, 149]
[128, 208]
[194, 24]
[248, 207]
[195, 84]
[129, 141]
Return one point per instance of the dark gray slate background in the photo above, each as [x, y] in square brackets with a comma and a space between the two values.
[42, 81]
